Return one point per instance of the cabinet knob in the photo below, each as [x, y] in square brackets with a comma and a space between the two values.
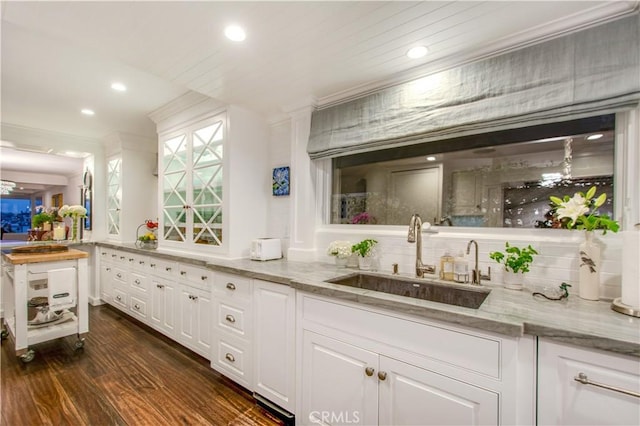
[369, 371]
[159, 285]
[137, 281]
[183, 273]
[382, 375]
[104, 253]
[230, 318]
[231, 286]
[204, 277]
[108, 269]
[119, 275]
[168, 268]
[119, 298]
[136, 306]
[230, 357]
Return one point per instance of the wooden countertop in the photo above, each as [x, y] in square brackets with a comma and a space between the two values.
[18, 259]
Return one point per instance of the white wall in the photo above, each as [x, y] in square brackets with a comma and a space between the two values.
[279, 207]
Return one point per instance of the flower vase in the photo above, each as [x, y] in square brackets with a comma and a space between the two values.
[75, 230]
[512, 280]
[589, 258]
[341, 262]
[364, 263]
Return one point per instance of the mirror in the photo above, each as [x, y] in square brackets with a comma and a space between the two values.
[503, 179]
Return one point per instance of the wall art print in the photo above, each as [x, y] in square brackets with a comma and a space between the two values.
[280, 181]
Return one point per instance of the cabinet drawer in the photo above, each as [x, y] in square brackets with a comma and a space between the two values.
[434, 341]
[138, 281]
[233, 287]
[232, 358]
[162, 268]
[200, 277]
[120, 277]
[232, 319]
[138, 306]
[119, 298]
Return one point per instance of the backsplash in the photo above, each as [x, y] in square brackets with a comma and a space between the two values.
[557, 261]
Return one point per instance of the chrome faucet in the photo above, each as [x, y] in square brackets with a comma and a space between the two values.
[477, 273]
[415, 236]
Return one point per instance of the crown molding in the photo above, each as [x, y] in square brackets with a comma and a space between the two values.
[41, 140]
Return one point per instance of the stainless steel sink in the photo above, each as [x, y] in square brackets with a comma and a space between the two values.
[451, 294]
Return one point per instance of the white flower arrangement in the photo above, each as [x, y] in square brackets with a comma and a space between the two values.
[75, 211]
[340, 249]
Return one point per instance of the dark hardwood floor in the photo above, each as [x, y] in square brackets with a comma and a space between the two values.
[126, 374]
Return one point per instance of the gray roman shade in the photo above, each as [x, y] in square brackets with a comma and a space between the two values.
[591, 72]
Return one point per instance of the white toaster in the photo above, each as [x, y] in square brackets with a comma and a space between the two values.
[266, 249]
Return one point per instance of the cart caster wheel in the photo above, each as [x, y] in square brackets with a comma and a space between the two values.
[4, 334]
[79, 344]
[28, 356]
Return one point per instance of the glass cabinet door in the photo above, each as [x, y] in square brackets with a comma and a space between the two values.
[114, 195]
[174, 189]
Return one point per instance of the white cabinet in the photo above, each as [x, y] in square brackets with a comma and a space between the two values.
[362, 365]
[274, 343]
[106, 274]
[563, 400]
[345, 384]
[195, 308]
[162, 313]
[114, 195]
[192, 184]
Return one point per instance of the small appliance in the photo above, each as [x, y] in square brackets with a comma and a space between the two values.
[266, 249]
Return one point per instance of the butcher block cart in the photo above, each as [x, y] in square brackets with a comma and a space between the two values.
[25, 278]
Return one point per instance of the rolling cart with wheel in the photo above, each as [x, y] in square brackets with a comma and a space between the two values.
[25, 277]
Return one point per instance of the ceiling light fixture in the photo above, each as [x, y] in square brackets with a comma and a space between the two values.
[235, 33]
[6, 186]
[594, 136]
[87, 111]
[431, 158]
[118, 87]
[417, 52]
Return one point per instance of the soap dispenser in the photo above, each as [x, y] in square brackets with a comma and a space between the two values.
[461, 269]
[446, 267]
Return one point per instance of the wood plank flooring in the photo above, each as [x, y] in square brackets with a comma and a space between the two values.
[127, 374]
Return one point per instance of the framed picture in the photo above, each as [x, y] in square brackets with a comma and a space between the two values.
[56, 200]
[280, 183]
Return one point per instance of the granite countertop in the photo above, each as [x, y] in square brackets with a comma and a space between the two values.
[581, 322]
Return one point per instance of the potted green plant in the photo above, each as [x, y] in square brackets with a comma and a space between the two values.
[365, 251]
[516, 261]
[43, 216]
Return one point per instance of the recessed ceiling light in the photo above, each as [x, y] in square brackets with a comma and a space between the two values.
[431, 158]
[235, 33]
[87, 111]
[417, 52]
[594, 137]
[118, 87]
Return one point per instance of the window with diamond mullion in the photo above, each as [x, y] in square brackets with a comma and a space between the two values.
[114, 193]
[174, 189]
[207, 154]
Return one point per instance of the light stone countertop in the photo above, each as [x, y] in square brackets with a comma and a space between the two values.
[514, 313]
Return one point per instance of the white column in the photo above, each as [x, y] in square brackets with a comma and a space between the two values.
[304, 214]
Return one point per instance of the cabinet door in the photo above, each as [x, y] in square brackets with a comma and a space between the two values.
[336, 385]
[467, 193]
[106, 282]
[195, 320]
[274, 347]
[114, 195]
[564, 401]
[409, 395]
[163, 297]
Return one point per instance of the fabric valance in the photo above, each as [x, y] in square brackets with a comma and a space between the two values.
[591, 72]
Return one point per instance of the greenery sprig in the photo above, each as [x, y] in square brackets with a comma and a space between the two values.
[364, 248]
[581, 212]
[515, 259]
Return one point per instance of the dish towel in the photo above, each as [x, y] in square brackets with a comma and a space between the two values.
[62, 288]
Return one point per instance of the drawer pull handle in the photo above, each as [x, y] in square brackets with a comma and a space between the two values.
[582, 378]
[183, 273]
[159, 285]
[230, 357]
[131, 259]
[231, 286]
[369, 371]
[137, 281]
[230, 318]
[119, 275]
[141, 262]
[121, 257]
[168, 268]
[114, 256]
[153, 265]
[104, 253]
[137, 306]
[204, 277]
[192, 297]
[382, 375]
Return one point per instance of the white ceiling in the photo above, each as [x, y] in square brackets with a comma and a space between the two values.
[59, 57]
